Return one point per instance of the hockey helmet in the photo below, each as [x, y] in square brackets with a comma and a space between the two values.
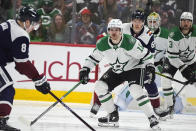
[186, 16]
[153, 21]
[115, 23]
[28, 13]
[138, 14]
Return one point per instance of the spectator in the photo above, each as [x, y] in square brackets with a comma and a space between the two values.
[47, 12]
[87, 31]
[4, 7]
[32, 3]
[12, 11]
[59, 31]
[110, 8]
[67, 10]
[92, 5]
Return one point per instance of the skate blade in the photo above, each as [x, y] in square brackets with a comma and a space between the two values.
[170, 116]
[109, 124]
[163, 118]
[92, 115]
[156, 128]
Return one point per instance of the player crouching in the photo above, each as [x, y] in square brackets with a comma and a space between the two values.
[128, 60]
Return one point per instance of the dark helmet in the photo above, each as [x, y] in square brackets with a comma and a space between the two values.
[138, 14]
[28, 13]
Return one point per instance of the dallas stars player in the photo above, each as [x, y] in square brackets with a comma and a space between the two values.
[128, 60]
[180, 56]
[160, 37]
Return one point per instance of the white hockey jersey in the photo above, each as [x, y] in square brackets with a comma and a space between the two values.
[127, 55]
[145, 36]
[181, 49]
[161, 42]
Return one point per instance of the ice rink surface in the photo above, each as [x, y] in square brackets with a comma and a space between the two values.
[60, 119]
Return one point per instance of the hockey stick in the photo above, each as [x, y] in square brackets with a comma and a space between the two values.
[68, 108]
[184, 83]
[53, 105]
[187, 82]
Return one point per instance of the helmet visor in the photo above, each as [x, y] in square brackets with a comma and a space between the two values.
[35, 25]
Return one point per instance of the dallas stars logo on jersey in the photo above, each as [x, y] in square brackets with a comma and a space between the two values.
[118, 67]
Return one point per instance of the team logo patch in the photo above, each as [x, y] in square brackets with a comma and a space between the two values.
[171, 34]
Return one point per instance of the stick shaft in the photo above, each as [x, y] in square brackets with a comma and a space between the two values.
[53, 105]
[68, 108]
[170, 78]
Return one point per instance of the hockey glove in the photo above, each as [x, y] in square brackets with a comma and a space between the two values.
[150, 72]
[188, 73]
[84, 75]
[42, 85]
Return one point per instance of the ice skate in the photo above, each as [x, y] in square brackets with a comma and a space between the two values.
[171, 112]
[5, 127]
[111, 120]
[161, 113]
[94, 109]
[154, 123]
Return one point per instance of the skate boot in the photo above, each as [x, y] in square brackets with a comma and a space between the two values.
[171, 109]
[5, 127]
[161, 113]
[154, 123]
[94, 110]
[171, 112]
[111, 120]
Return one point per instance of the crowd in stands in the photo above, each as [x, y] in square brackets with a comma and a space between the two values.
[90, 16]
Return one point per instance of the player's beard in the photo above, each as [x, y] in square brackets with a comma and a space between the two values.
[185, 28]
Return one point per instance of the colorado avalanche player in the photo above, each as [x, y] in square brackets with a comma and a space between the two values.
[14, 47]
[137, 29]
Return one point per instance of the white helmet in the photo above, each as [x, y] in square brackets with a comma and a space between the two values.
[186, 16]
[153, 17]
[115, 23]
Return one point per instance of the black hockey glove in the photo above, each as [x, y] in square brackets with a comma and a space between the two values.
[42, 85]
[160, 62]
[188, 73]
[84, 75]
[150, 72]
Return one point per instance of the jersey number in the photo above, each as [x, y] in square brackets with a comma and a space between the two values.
[140, 47]
[23, 47]
[170, 44]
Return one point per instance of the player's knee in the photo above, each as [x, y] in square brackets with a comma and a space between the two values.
[5, 109]
[165, 82]
[101, 88]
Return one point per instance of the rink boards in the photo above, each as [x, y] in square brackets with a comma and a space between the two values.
[61, 64]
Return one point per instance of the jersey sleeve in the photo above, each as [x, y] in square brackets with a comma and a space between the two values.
[94, 58]
[173, 53]
[20, 49]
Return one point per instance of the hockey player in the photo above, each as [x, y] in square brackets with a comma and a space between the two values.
[180, 56]
[160, 38]
[137, 29]
[14, 47]
[128, 59]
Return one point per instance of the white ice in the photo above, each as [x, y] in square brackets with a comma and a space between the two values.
[61, 119]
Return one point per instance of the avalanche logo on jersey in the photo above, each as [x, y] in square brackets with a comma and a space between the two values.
[118, 67]
[186, 53]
